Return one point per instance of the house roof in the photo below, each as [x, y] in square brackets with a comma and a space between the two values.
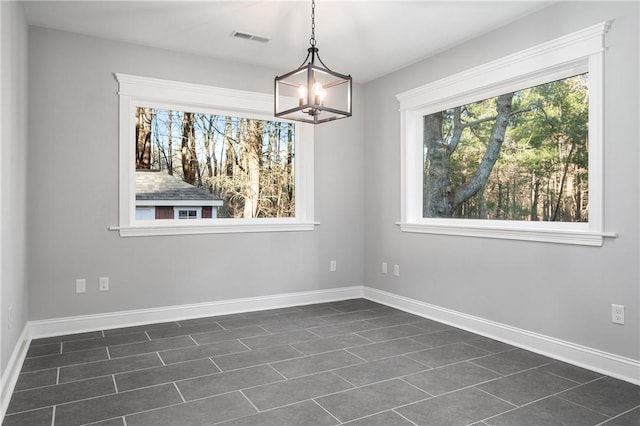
[152, 185]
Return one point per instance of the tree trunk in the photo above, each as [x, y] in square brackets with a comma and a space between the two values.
[480, 178]
[143, 138]
[439, 199]
[436, 186]
[188, 149]
[536, 196]
[170, 143]
[253, 156]
[556, 210]
[231, 152]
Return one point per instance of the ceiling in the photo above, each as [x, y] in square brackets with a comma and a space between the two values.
[366, 39]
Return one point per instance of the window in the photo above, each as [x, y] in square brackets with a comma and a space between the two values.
[510, 149]
[199, 159]
[194, 213]
[522, 155]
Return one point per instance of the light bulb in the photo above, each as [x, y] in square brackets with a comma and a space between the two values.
[318, 93]
[302, 94]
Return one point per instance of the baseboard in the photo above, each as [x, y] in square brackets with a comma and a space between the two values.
[79, 324]
[623, 368]
[12, 371]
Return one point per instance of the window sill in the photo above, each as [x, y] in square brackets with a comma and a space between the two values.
[557, 236]
[219, 228]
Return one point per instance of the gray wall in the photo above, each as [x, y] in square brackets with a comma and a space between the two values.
[73, 191]
[14, 174]
[558, 290]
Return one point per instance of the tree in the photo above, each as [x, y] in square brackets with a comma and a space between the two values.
[144, 117]
[524, 158]
[441, 199]
[252, 160]
[188, 154]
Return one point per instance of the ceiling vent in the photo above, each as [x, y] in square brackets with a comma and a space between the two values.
[247, 36]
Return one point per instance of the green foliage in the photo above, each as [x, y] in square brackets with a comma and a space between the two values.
[542, 170]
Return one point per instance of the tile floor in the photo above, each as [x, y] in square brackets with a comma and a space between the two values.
[351, 362]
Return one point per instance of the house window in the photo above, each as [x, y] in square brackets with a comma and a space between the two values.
[211, 155]
[188, 213]
[510, 149]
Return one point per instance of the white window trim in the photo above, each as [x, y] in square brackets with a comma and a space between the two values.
[572, 54]
[137, 91]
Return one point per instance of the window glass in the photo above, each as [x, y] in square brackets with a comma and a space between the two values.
[520, 156]
[226, 166]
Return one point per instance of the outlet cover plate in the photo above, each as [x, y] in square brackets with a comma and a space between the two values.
[617, 314]
[104, 283]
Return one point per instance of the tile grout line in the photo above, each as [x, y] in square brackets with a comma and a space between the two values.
[175, 385]
[559, 376]
[582, 406]
[216, 365]
[326, 411]
[616, 416]
[501, 399]
[115, 385]
[53, 416]
[250, 402]
[402, 378]
[407, 419]
[281, 375]
[159, 357]
[545, 397]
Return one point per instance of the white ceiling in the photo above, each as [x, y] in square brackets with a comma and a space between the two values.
[366, 39]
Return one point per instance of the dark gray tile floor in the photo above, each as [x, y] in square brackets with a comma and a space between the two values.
[350, 362]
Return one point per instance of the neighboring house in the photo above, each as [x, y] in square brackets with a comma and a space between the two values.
[160, 195]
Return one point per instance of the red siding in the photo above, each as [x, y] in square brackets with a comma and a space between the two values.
[163, 212]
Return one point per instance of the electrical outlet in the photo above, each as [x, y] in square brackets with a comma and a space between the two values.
[396, 270]
[384, 267]
[81, 285]
[333, 265]
[617, 314]
[104, 283]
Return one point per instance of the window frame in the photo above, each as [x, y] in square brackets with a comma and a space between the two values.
[575, 53]
[177, 210]
[136, 91]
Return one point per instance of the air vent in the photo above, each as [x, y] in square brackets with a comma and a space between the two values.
[247, 36]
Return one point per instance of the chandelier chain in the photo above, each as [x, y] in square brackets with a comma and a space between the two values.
[312, 41]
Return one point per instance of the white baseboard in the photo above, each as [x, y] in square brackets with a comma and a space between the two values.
[79, 324]
[12, 371]
[620, 367]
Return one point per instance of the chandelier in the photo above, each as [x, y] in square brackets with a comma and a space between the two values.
[312, 93]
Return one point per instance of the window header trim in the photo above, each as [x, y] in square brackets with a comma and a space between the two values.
[504, 74]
